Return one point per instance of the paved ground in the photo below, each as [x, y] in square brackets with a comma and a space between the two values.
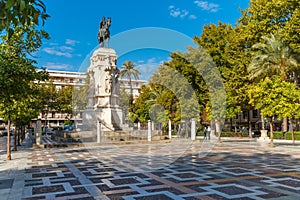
[234, 169]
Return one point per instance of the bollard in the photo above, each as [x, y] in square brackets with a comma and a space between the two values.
[170, 129]
[193, 130]
[149, 131]
[99, 132]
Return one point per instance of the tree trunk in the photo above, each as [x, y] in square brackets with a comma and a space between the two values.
[131, 95]
[271, 132]
[262, 123]
[22, 134]
[285, 124]
[15, 138]
[8, 157]
[19, 136]
[249, 125]
[218, 129]
[293, 134]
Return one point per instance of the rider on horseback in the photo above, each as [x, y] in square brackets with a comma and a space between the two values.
[103, 33]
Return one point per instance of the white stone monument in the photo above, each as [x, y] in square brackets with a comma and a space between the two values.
[103, 105]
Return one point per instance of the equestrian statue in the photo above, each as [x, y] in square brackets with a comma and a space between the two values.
[103, 33]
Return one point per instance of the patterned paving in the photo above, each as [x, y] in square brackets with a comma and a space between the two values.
[231, 170]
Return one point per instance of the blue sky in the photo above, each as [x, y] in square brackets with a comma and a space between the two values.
[144, 32]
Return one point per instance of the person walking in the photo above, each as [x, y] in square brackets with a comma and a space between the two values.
[205, 133]
[208, 130]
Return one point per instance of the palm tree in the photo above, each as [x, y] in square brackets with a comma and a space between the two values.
[273, 57]
[128, 70]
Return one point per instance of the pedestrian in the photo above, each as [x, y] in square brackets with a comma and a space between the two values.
[205, 133]
[208, 130]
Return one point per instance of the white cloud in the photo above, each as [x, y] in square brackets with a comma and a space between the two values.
[71, 42]
[66, 48]
[151, 60]
[205, 5]
[181, 13]
[54, 51]
[193, 17]
[175, 12]
[148, 67]
[57, 66]
[53, 44]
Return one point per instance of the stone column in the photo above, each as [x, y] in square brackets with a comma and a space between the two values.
[149, 131]
[170, 129]
[193, 130]
[38, 131]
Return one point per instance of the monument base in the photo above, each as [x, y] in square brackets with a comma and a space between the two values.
[111, 119]
[264, 136]
[89, 120]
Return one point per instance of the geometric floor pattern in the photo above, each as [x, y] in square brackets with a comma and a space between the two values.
[230, 170]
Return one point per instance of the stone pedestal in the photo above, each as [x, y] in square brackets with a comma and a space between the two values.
[264, 136]
[103, 100]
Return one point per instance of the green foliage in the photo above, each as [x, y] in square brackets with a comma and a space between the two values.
[53, 100]
[286, 136]
[274, 97]
[273, 57]
[15, 13]
[64, 100]
[142, 106]
[18, 75]
[128, 70]
[217, 40]
[177, 97]
[68, 122]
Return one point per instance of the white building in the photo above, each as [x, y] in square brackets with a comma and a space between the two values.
[136, 86]
[61, 79]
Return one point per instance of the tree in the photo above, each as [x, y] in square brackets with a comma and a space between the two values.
[64, 100]
[291, 30]
[19, 39]
[48, 99]
[273, 57]
[16, 13]
[274, 97]
[128, 70]
[23, 111]
[261, 18]
[177, 97]
[16, 80]
[217, 41]
[141, 106]
[124, 100]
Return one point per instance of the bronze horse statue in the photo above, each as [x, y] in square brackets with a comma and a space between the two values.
[103, 33]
